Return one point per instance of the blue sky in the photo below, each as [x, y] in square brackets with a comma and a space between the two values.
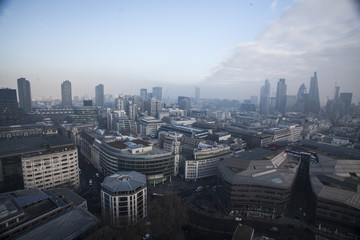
[224, 47]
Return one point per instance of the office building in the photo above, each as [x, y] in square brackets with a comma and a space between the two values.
[280, 105]
[337, 192]
[52, 168]
[149, 126]
[157, 93]
[205, 161]
[99, 95]
[66, 96]
[24, 92]
[301, 98]
[124, 198]
[143, 93]
[120, 103]
[313, 104]
[134, 155]
[197, 95]
[265, 98]
[38, 161]
[11, 114]
[58, 213]
[257, 183]
[346, 98]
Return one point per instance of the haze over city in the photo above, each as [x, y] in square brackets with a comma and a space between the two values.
[226, 48]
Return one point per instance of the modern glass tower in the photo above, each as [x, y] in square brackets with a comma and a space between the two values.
[24, 92]
[99, 95]
[314, 99]
[157, 93]
[281, 96]
[265, 98]
[66, 97]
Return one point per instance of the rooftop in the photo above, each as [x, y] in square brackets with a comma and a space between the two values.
[337, 180]
[124, 181]
[69, 225]
[31, 144]
[278, 171]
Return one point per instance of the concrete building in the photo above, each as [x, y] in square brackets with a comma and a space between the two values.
[336, 186]
[124, 198]
[66, 95]
[24, 92]
[205, 161]
[170, 142]
[257, 183]
[53, 168]
[149, 126]
[125, 154]
[13, 150]
[11, 114]
[99, 95]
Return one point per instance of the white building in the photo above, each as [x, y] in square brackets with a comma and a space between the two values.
[124, 198]
[150, 125]
[206, 160]
[51, 169]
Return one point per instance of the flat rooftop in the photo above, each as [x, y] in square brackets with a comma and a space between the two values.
[128, 144]
[31, 144]
[67, 226]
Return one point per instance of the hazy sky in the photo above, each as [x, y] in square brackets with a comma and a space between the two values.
[228, 48]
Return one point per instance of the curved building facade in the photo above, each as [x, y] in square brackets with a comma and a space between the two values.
[135, 155]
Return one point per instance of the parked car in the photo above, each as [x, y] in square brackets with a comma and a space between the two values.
[273, 229]
[238, 219]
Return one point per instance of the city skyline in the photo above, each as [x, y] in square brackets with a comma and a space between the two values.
[287, 39]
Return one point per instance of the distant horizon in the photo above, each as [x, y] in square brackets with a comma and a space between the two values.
[227, 49]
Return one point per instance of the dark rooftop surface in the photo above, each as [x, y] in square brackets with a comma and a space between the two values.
[67, 226]
[254, 154]
[22, 145]
[330, 150]
[64, 196]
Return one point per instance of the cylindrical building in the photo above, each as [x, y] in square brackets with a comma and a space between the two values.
[124, 198]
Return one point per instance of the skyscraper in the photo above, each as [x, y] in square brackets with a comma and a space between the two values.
[197, 94]
[265, 98]
[99, 95]
[314, 99]
[301, 98]
[143, 93]
[346, 98]
[24, 92]
[281, 96]
[66, 97]
[157, 93]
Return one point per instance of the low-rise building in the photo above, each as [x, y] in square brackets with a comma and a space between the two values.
[124, 198]
[34, 214]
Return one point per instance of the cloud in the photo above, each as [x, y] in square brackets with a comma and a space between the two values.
[322, 36]
[273, 5]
